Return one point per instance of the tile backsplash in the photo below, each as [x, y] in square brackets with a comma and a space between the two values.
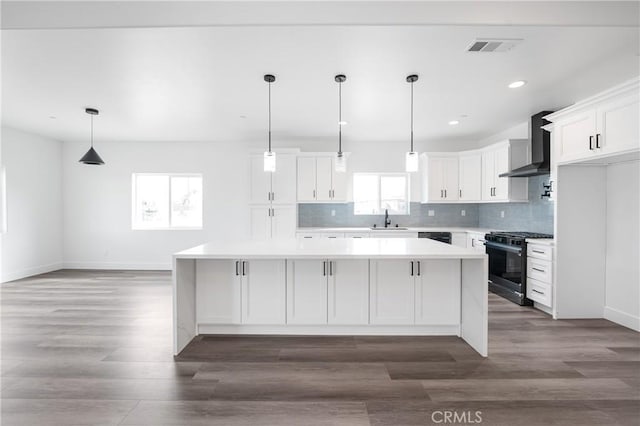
[534, 216]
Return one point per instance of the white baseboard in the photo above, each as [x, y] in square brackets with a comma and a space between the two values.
[28, 272]
[332, 330]
[117, 265]
[622, 318]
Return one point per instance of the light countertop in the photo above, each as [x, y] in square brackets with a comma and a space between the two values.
[365, 248]
[409, 229]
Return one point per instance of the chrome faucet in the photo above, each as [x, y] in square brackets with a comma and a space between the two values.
[387, 221]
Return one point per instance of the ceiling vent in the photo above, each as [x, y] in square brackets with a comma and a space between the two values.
[493, 44]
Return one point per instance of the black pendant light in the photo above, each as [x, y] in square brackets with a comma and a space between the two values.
[341, 159]
[269, 156]
[412, 159]
[92, 157]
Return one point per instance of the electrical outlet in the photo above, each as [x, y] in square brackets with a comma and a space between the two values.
[333, 212]
[501, 213]
[463, 212]
[432, 213]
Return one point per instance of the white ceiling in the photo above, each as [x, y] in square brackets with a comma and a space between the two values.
[204, 83]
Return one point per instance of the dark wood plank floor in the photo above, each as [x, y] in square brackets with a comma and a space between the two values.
[94, 348]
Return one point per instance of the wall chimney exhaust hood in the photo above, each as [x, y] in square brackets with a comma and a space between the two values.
[540, 150]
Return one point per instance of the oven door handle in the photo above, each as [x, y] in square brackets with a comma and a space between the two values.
[504, 247]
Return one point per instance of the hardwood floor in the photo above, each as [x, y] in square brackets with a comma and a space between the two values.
[94, 348]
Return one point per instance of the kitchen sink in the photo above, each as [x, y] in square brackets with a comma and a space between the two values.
[394, 228]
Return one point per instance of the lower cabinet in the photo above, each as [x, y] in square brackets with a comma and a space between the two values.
[328, 292]
[392, 292]
[240, 291]
[438, 292]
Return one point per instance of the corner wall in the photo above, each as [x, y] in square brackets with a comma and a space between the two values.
[32, 243]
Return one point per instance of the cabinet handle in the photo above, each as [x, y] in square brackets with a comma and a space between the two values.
[591, 143]
[314, 194]
[273, 196]
[418, 262]
[237, 267]
[445, 193]
[330, 267]
[536, 291]
[307, 237]
[539, 270]
[324, 268]
[441, 193]
[597, 140]
[244, 268]
[273, 212]
[537, 251]
[412, 268]
[461, 193]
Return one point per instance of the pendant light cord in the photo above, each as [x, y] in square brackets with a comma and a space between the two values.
[91, 131]
[340, 118]
[269, 116]
[412, 116]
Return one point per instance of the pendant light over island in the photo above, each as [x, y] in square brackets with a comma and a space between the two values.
[412, 158]
[341, 159]
[269, 156]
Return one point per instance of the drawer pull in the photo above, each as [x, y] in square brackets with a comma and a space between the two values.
[539, 270]
[536, 291]
[537, 251]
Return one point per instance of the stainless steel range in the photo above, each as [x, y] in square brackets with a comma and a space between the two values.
[508, 264]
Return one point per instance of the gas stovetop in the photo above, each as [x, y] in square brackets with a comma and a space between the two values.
[510, 234]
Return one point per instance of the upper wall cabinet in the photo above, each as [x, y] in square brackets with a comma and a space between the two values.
[439, 178]
[470, 176]
[599, 127]
[501, 158]
[278, 187]
[318, 181]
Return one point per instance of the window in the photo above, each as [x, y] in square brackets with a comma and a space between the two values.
[373, 193]
[167, 201]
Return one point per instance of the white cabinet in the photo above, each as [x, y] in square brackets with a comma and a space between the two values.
[393, 234]
[470, 177]
[501, 158]
[273, 222]
[475, 240]
[218, 295]
[438, 292]
[240, 291]
[278, 187]
[263, 291]
[392, 292]
[604, 125]
[328, 291]
[459, 239]
[540, 273]
[439, 178]
[318, 181]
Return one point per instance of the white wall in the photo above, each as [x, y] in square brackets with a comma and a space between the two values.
[32, 243]
[622, 290]
[97, 202]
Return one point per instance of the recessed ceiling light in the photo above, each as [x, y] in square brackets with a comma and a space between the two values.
[454, 123]
[342, 123]
[243, 116]
[517, 84]
[52, 117]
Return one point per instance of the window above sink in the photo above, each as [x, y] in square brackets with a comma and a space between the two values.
[373, 193]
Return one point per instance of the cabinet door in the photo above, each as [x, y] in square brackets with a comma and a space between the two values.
[260, 223]
[618, 125]
[435, 182]
[501, 165]
[217, 292]
[260, 181]
[470, 178]
[573, 136]
[283, 222]
[283, 181]
[348, 292]
[459, 239]
[263, 292]
[307, 291]
[324, 172]
[438, 292]
[338, 183]
[488, 175]
[450, 177]
[306, 179]
[392, 295]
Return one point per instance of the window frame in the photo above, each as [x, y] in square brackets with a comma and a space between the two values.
[134, 177]
[379, 177]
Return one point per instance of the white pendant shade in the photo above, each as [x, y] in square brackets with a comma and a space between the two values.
[269, 161]
[412, 162]
[341, 162]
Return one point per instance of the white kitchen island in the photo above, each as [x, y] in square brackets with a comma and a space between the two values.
[373, 286]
